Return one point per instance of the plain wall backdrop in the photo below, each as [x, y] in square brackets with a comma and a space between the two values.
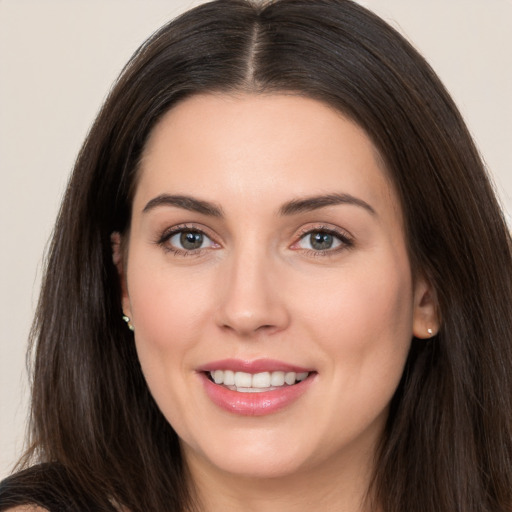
[58, 59]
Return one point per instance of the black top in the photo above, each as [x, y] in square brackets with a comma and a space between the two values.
[49, 486]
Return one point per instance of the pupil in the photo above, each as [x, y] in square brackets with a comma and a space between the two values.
[190, 240]
[321, 241]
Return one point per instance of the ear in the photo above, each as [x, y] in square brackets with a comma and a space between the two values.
[425, 317]
[118, 258]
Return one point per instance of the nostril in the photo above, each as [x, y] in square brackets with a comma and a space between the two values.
[265, 327]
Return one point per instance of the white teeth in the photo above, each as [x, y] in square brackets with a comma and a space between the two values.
[243, 380]
[261, 380]
[290, 378]
[229, 378]
[277, 379]
[253, 383]
[251, 390]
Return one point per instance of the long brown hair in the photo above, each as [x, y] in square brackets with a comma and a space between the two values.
[448, 444]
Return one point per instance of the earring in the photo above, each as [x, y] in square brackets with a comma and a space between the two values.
[128, 323]
[430, 332]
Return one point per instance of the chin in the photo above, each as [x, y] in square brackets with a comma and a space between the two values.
[254, 460]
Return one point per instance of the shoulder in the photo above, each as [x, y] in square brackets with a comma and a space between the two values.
[27, 508]
[23, 491]
[49, 488]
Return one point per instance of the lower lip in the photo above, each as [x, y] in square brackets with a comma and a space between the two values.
[254, 404]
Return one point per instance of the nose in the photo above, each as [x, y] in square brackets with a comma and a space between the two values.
[252, 296]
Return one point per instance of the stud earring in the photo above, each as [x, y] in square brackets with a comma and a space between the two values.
[128, 323]
[430, 332]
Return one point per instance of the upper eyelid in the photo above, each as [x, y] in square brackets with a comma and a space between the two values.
[336, 230]
[169, 232]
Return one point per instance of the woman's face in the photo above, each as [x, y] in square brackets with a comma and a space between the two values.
[267, 245]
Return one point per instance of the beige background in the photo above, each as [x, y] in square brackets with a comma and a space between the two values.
[57, 61]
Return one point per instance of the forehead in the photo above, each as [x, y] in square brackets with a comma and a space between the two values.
[274, 146]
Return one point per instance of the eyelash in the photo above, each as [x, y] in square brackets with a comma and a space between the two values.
[345, 240]
[183, 228]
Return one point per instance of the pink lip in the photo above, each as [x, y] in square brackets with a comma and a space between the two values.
[256, 366]
[253, 404]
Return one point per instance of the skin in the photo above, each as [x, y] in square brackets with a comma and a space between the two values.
[258, 289]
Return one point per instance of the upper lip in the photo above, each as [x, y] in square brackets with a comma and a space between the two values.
[254, 366]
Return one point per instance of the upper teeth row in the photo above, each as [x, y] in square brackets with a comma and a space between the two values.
[257, 380]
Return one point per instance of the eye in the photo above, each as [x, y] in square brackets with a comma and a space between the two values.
[185, 241]
[190, 240]
[323, 241]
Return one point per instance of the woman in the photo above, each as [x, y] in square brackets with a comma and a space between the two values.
[279, 280]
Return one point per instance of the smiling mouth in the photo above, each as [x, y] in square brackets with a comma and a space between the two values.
[244, 382]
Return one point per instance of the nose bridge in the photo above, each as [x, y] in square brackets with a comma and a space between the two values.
[251, 300]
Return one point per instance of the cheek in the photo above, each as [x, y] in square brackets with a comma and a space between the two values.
[364, 329]
[166, 313]
[381, 307]
[168, 326]
[364, 320]
[164, 301]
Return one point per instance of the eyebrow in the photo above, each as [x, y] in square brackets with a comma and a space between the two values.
[185, 202]
[293, 207]
[316, 202]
